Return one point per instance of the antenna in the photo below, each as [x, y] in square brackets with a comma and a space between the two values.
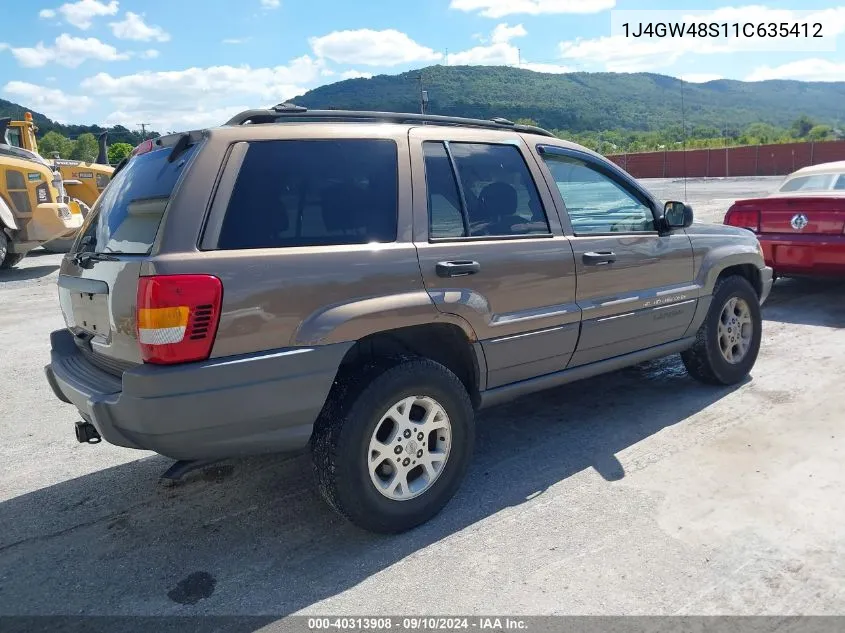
[684, 137]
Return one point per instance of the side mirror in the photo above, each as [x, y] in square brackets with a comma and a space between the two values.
[677, 215]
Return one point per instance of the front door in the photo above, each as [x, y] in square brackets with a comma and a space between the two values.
[492, 251]
[635, 285]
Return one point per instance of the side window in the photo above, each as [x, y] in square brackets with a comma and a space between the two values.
[493, 195]
[313, 193]
[840, 183]
[595, 202]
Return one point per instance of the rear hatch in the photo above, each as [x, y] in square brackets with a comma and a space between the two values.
[98, 281]
[805, 215]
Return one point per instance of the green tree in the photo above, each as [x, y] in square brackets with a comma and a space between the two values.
[527, 121]
[52, 143]
[820, 133]
[802, 126]
[85, 148]
[118, 152]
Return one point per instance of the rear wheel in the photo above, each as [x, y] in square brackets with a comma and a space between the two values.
[393, 444]
[728, 342]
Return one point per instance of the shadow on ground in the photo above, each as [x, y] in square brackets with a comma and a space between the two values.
[22, 274]
[807, 301]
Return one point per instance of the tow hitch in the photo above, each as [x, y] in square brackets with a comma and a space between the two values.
[86, 433]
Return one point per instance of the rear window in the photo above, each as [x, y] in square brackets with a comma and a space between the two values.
[313, 193]
[818, 182]
[128, 213]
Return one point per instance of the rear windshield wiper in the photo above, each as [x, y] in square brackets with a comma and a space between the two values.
[83, 259]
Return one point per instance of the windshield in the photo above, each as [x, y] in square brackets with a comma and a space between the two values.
[127, 216]
[816, 182]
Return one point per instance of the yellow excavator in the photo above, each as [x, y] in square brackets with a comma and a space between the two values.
[83, 181]
[34, 207]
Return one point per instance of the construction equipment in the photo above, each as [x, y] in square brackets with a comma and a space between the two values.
[83, 181]
[34, 207]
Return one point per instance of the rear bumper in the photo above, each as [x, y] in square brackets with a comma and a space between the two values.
[804, 254]
[256, 403]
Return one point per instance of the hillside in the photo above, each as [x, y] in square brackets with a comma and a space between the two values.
[579, 102]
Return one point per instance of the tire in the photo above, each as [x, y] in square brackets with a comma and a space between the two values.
[342, 444]
[8, 259]
[705, 360]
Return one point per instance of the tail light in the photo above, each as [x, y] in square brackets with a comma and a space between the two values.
[177, 317]
[744, 218]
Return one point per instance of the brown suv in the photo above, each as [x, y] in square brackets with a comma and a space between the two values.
[365, 282]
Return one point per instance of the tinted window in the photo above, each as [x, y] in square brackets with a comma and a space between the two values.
[14, 137]
[496, 186]
[818, 182]
[840, 183]
[313, 193]
[595, 202]
[127, 215]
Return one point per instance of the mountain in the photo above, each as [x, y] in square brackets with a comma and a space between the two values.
[578, 102]
[117, 134]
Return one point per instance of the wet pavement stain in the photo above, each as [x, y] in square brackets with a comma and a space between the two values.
[193, 588]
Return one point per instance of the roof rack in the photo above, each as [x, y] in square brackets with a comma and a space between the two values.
[289, 112]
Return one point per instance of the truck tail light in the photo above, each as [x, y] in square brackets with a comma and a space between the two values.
[744, 218]
[177, 317]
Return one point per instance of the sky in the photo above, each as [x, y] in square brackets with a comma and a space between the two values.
[178, 64]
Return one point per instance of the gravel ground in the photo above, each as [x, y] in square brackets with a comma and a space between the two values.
[640, 492]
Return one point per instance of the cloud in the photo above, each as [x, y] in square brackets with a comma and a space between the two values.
[67, 51]
[700, 78]
[813, 69]
[503, 33]
[235, 40]
[616, 53]
[501, 8]
[271, 4]
[196, 96]
[371, 48]
[355, 74]
[52, 102]
[133, 27]
[552, 69]
[150, 53]
[82, 13]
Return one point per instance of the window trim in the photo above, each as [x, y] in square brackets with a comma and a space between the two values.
[610, 171]
[462, 195]
[225, 188]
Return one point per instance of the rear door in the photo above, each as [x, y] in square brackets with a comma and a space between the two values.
[98, 280]
[491, 249]
[635, 286]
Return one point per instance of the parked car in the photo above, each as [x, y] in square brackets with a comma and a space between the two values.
[406, 271]
[801, 226]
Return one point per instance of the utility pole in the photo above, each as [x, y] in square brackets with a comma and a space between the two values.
[519, 58]
[423, 96]
[143, 127]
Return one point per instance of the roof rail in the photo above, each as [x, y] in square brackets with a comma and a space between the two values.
[288, 112]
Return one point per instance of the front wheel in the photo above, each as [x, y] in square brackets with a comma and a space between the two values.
[7, 258]
[728, 342]
[393, 445]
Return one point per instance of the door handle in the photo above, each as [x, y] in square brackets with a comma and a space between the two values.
[599, 259]
[457, 268]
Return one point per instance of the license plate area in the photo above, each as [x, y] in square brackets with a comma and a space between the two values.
[788, 255]
[90, 312]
